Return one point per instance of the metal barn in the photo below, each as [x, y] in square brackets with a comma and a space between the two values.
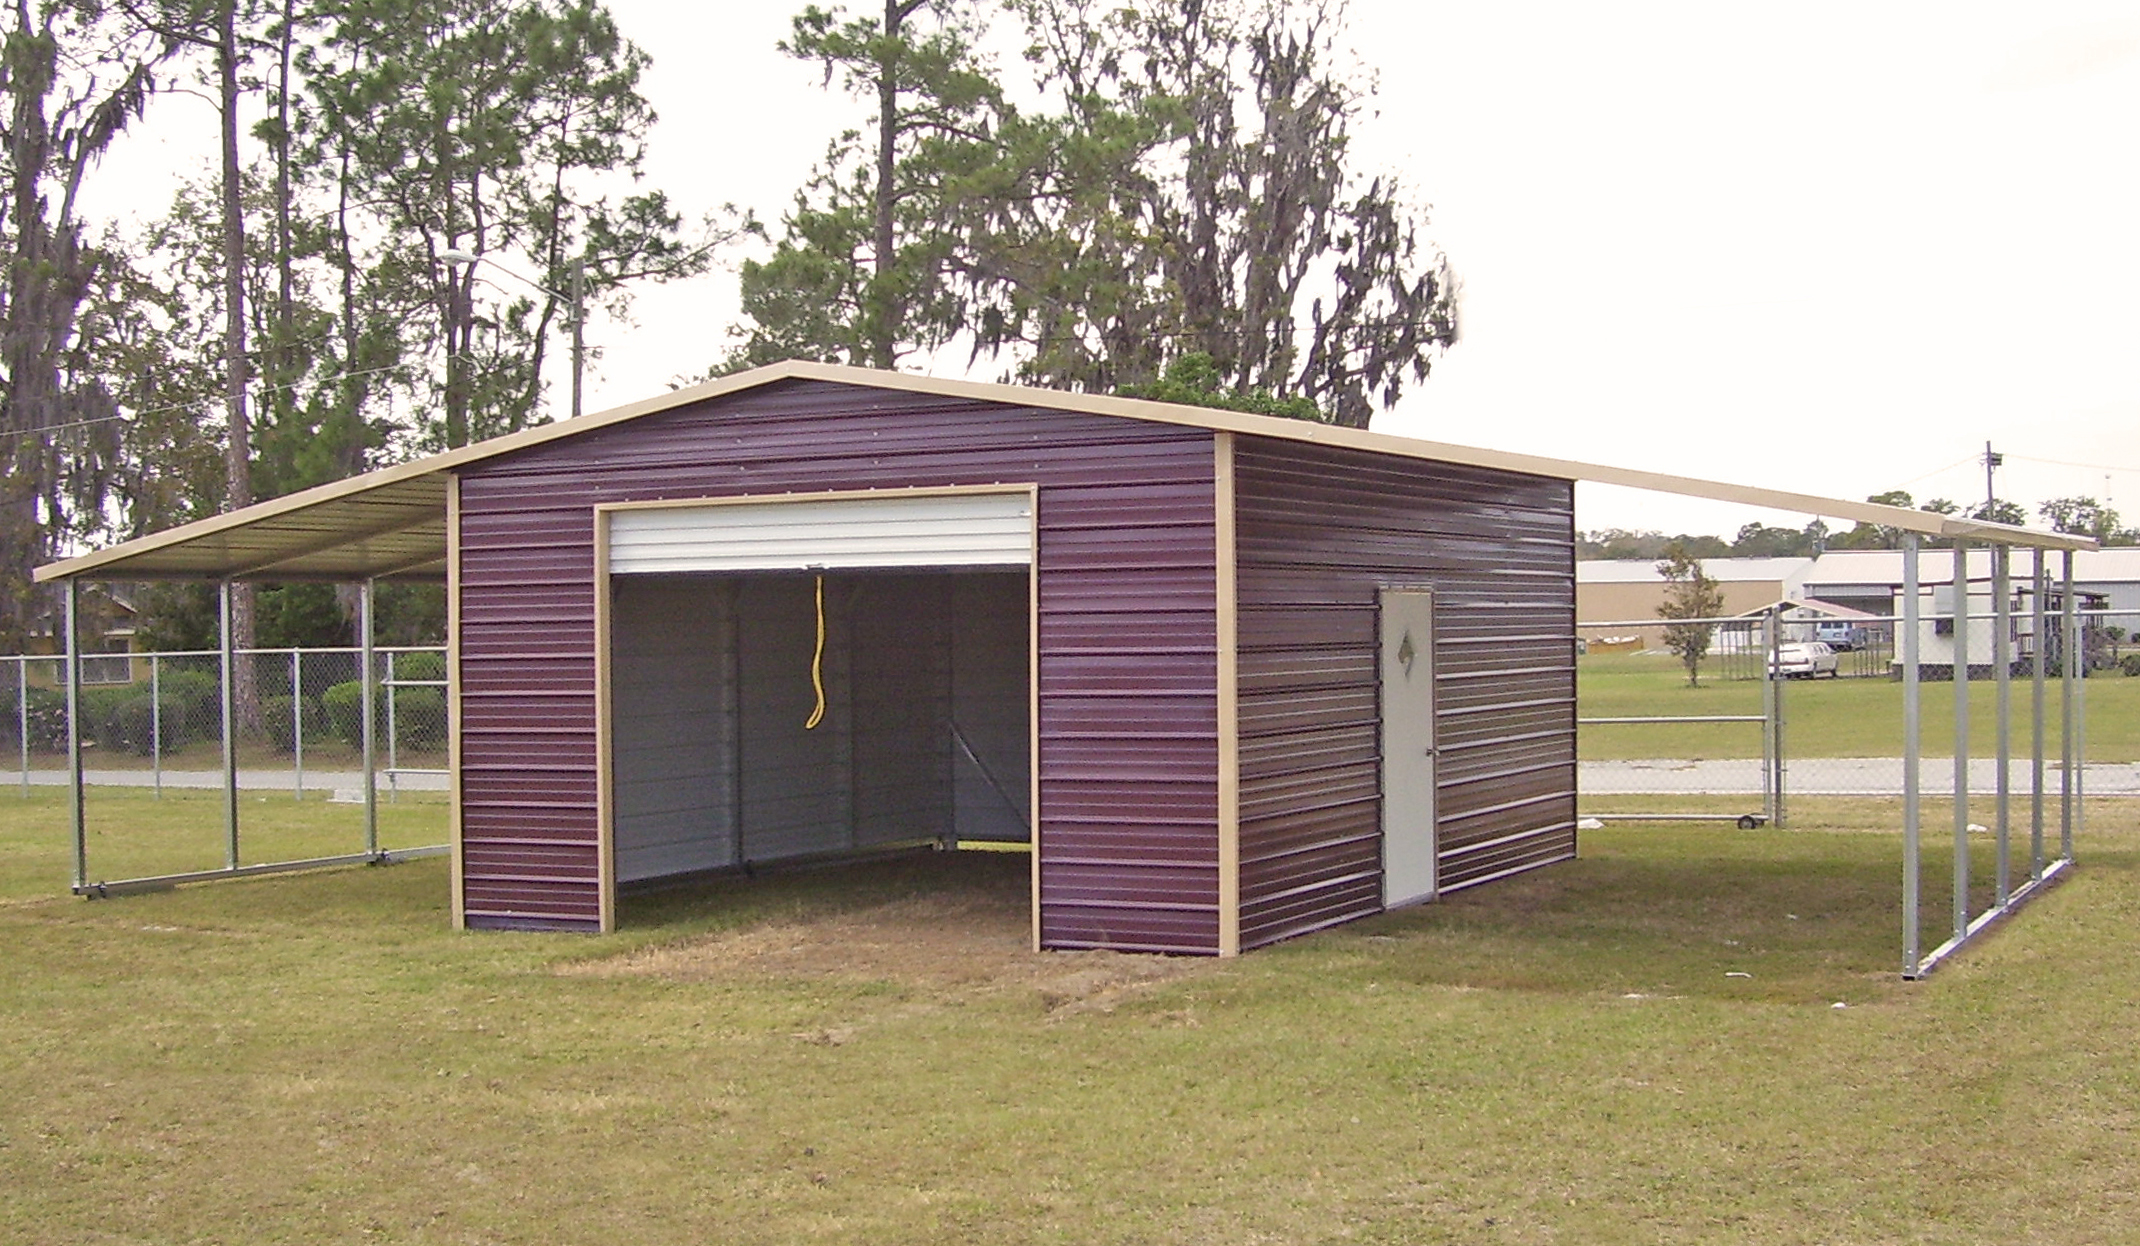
[1233, 678]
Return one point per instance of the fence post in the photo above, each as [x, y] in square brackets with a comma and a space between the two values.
[1783, 759]
[393, 731]
[73, 674]
[156, 723]
[297, 717]
[2002, 657]
[229, 696]
[1771, 658]
[22, 716]
[2068, 653]
[1912, 642]
[369, 687]
[2039, 642]
[1961, 738]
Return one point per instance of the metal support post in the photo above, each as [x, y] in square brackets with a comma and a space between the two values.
[1911, 737]
[297, 719]
[2002, 659]
[2069, 657]
[225, 626]
[1776, 728]
[22, 717]
[2080, 712]
[2039, 638]
[73, 674]
[1771, 693]
[370, 688]
[156, 723]
[1961, 738]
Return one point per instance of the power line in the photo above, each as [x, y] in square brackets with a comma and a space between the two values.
[189, 406]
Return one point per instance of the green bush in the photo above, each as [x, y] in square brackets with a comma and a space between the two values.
[344, 706]
[279, 717]
[48, 719]
[2130, 664]
[100, 714]
[131, 724]
[419, 667]
[199, 696]
[419, 714]
[419, 717]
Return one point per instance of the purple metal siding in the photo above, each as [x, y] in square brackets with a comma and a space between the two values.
[1319, 529]
[1127, 643]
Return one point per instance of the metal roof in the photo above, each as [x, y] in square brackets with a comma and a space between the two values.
[392, 522]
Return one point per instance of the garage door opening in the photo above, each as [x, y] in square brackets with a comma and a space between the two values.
[803, 681]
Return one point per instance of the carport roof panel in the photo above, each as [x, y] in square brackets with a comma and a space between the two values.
[392, 522]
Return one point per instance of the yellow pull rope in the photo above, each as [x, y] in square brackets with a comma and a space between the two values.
[817, 661]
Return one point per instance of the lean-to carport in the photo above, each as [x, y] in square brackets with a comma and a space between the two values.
[1235, 504]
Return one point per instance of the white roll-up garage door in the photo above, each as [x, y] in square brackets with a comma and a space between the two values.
[979, 529]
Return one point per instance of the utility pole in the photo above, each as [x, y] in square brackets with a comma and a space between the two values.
[1992, 459]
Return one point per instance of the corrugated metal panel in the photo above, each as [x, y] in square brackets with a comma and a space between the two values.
[933, 530]
[673, 726]
[1127, 625]
[1319, 529]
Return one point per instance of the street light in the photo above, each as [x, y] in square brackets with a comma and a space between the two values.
[578, 299]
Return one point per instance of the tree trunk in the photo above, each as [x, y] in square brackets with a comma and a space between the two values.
[237, 453]
[883, 322]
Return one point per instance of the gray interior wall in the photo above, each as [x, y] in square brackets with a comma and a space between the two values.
[710, 691]
[991, 756]
[673, 726]
[797, 784]
[900, 694]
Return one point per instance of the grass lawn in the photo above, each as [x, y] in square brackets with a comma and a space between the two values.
[133, 834]
[1564, 1057]
[1825, 717]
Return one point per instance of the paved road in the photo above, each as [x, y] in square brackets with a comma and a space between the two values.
[1808, 776]
[1837, 776]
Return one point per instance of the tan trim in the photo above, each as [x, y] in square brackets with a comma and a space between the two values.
[825, 495]
[604, 781]
[452, 699]
[1229, 690]
[1032, 718]
[1091, 404]
[454, 827]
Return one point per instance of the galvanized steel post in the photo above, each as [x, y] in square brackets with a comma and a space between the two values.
[1770, 694]
[73, 674]
[2068, 658]
[22, 716]
[1776, 728]
[369, 686]
[2002, 637]
[1961, 738]
[156, 722]
[1911, 735]
[230, 734]
[297, 720]
[2039, 636]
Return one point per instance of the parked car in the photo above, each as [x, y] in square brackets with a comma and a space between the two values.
[1838, 635]
[1803, 659]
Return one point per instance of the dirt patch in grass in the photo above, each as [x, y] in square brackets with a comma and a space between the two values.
[936, 946]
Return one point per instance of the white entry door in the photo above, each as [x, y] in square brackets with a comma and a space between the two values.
[1409, 843]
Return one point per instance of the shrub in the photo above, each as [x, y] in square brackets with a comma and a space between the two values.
[419, 667]
[279, 717]
[2130, 664]
[419, 717]
[131, 724]
[48, 719]
[344, 706]
[419, 714]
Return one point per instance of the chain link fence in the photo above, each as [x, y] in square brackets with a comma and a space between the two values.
[152, 735]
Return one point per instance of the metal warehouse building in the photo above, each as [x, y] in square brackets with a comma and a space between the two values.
[1234, 678]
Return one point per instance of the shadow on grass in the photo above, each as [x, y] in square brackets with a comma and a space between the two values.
[1782, 917]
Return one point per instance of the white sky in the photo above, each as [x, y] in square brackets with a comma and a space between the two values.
[1831, 247]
